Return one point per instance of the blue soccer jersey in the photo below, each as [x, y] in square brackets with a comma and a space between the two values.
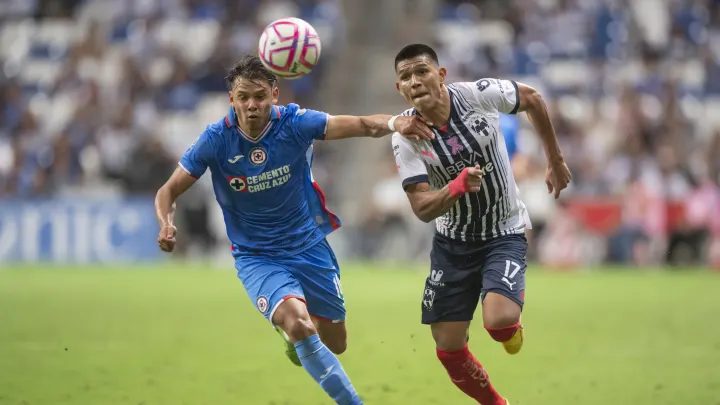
[509, 127]
[264, 186]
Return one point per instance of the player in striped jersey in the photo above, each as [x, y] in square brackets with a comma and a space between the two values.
[462, 179]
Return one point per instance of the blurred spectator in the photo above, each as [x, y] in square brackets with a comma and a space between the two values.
[632, 87]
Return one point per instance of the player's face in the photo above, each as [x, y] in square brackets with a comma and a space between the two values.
[252, 101]
[420, 81]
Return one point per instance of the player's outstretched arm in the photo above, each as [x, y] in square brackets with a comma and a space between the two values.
[376, 126]
[558, 174]
[429, 204]
[178, 183]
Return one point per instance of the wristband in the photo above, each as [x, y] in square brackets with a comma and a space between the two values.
[391, 123]
[459, 185]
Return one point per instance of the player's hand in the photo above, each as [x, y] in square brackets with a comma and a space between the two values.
[474, 178]
[557, 177]
[166, 238]
[413, 127]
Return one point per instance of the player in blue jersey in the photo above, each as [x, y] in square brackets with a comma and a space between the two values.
[509, 127]
[259, 156]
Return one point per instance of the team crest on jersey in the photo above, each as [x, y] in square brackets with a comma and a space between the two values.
[238, 183]
[478, 123]
[262, 304]
[258, 156]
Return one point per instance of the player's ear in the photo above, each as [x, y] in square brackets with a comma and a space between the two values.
[275, 94]
[397, 86]
[443, 73]
[230, 96]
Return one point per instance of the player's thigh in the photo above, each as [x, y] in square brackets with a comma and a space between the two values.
[503, 281]
[452, 289]
[318, 273]
[268, 283]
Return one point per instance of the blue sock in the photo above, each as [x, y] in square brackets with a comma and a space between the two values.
[326, 370]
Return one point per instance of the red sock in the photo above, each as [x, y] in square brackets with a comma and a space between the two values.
[503, 334]
[469, 375]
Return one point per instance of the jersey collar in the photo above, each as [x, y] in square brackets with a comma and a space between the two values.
[231, 118]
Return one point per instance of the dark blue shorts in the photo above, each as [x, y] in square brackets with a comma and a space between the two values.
[312, 276]
[462, 273]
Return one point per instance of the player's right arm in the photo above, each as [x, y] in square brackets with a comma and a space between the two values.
[192, 165]
[429, 204]
[165, 206]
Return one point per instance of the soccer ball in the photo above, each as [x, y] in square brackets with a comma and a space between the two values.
[289, 47]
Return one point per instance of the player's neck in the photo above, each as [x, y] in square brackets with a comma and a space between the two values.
[439, 114]
[252, 133]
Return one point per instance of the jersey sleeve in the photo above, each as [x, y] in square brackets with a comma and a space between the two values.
[497, 94]
[310, 124]
[196, 158]
[410, 165]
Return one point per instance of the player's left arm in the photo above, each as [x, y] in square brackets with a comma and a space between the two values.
[376, 126]
[311, 124]
[531, 102]
[511, 97]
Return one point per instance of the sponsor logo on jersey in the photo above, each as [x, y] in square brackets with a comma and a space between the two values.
[237, 183]
[482, 84]
[471, 161]
[263, 181]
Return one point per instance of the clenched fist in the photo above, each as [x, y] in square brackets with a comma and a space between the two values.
[166, 238]
[557, 178]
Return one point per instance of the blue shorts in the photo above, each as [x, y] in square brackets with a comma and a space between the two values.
[312, 276]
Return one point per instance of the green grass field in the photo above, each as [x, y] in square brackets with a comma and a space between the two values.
[155, 336]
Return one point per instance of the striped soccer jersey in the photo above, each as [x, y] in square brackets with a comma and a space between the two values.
[471, 137]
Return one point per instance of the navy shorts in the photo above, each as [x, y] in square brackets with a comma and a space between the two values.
[462, 273]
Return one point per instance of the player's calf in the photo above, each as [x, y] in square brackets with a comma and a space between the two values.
[315, 357]
[464, 369]
[333, 335]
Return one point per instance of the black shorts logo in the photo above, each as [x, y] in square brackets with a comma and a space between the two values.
[428, 298]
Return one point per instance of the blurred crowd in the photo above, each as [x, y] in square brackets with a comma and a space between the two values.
[103, 96]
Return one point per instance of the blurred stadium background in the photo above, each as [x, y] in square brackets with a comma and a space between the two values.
[98, 99]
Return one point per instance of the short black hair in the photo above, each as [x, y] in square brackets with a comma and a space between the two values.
[415, 50]
[251, 68]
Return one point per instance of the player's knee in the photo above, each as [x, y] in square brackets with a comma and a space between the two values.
[501, 319]
[337, 346]
[500, 312]
[299, 328]
[450, 336]
[501, 325]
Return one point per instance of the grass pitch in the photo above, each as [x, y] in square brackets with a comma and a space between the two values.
[179, 336]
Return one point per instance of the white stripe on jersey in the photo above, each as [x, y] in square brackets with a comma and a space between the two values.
[473, 137]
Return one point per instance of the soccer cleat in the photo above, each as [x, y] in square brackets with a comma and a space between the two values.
[289, 348]
[515, 343]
